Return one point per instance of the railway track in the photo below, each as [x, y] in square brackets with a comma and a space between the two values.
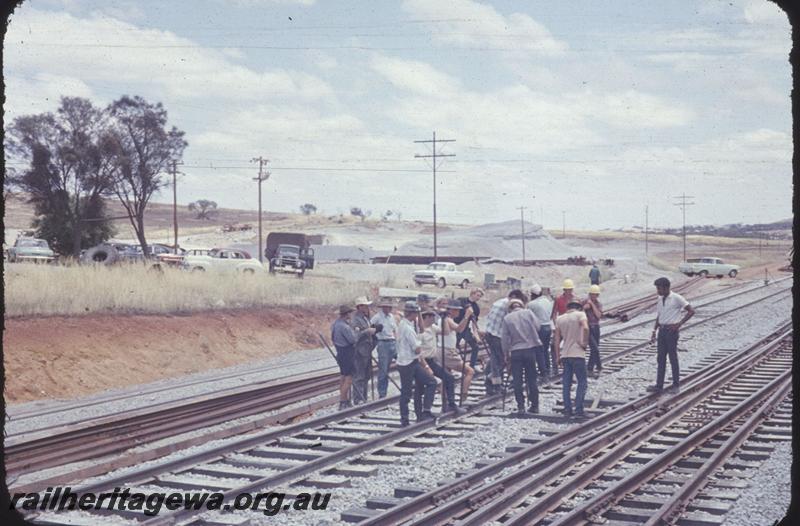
[61, 446]
[655, 460]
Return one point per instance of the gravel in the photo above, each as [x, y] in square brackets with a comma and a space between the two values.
[767, 499]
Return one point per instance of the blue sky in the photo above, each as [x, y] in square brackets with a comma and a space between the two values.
[596, 108]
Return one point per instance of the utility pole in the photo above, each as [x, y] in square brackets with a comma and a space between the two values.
[563, 224]
[522, 224]
[434, 156]
[262, 176]
[683, 204]
[646, 214]
[175, 202]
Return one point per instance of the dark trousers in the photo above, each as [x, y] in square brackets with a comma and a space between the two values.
[545, 334]
[416, 383]
[667, 346]
[594, 348]
[523, 370]
[473, 344]
[448, 383]
[361, 375]
[494, 373]
[577, 367]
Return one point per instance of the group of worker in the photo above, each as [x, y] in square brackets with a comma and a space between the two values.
[533, 336]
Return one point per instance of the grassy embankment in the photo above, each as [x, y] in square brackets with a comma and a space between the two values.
[39, 290]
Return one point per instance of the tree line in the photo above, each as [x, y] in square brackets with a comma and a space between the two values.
[79, 155]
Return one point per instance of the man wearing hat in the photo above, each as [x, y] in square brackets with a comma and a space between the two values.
[542, 307]
[570, 341]
[494, 327]
[365, 342]
[387, 336]
[412, 374]
[560, 308]
[520, 341]
[594, 311]
[344, 339]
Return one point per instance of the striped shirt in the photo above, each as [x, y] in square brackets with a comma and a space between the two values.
[494, 321]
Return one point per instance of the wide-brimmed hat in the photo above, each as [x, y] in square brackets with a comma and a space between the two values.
[423, 297]
[515, 303]
[362, 300]
[385, 303]
[454, 304]
[428, 312]
[345, 309]
[411, 306]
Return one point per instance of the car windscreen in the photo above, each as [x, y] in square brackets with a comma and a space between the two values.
[36, 243]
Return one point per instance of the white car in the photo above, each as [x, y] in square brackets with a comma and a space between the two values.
[223, 260]
[708, 267]
[442, 273]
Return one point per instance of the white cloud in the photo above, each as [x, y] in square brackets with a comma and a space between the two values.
[102, 49]
[417, 77]
[40, 93]
[469, 23]
[763, 11]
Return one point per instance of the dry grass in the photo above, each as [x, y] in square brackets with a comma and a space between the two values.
[35, 290]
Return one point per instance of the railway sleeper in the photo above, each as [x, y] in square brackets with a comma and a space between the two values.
[353, 470]
[325, 482]
[273, 464]
[654, 503]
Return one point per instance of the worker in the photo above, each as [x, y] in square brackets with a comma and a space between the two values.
[452, 359]
[412, 374]
[542, 307]
[492, 335]
[594, 274]
[668, 325]
[570, 341]
[520, 342]
[386, 344]
[344, 339]
[365, 342]
[559, 308]
[471, 334]
[594, 312]
[424, 302]
[429, 338]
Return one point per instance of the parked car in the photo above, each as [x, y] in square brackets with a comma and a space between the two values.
[708, 267]
[441, 273]
[223, 260]
[31, 249]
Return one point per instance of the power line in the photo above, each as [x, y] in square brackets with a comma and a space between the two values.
[522, 224]
[433, 156]
[262, 176]
[683, 204]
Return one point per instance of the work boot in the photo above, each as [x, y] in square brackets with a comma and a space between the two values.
[534, 408]
[674, 389]
[453, 409]
[427, 415]
[344, 404]
[404, 422]
[653, 389]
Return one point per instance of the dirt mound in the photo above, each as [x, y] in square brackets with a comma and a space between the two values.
[65, 357]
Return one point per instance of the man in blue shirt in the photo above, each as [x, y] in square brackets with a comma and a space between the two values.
[344, 339]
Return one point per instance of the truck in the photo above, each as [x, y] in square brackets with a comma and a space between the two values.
[289, 252]
[440, 273]
[708, 266]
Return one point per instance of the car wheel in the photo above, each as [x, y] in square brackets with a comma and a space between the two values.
[465, 284]
[417, 283]
[703, 273]
[301, 275]
[732, 273]
[719, 276]
[441, 283]
[198, 269]
[690, 274]
[249, 271]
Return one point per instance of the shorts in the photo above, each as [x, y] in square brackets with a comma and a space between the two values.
[452, 360]
[345, 357]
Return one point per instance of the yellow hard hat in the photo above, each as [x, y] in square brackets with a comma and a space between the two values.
[568, 284]
[594, 289]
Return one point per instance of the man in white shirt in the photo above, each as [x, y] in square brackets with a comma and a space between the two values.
[386, 343]
[412, 375]
[542, 307]
[668, 324]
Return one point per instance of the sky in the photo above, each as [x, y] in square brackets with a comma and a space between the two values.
[584, 112]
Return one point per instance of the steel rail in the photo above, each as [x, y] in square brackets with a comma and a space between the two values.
[774, 390]
[621, 449]
[438, 497]
[675, 506]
